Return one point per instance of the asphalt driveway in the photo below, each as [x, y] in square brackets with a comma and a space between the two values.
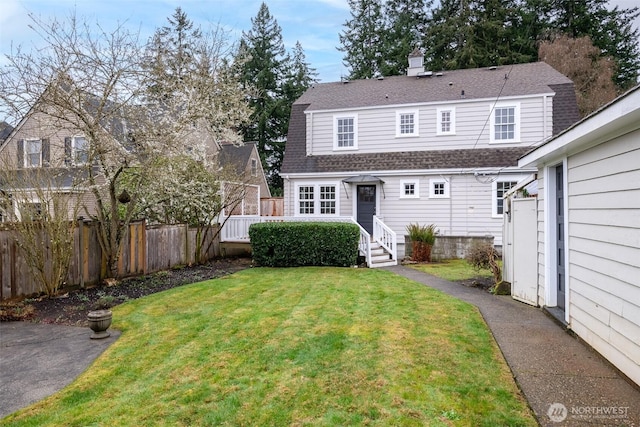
[37, 360]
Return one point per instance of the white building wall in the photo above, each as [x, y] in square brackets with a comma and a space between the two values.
[604, 249]
[466, 212]
[376, 127]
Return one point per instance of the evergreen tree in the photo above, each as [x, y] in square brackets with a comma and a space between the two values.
[476, 33]
[299, 76]
[173, 54]
[406, 22]
[264, 59]
[362, 39]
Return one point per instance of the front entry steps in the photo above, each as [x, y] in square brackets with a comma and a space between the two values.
[380, 257]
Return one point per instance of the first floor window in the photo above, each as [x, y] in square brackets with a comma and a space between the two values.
[501, 188]
[317, 199]
[409, 189]
[438, 188]
[306, 199]
[327, 200]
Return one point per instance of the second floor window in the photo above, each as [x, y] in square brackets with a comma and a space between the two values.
[80, 150]
[505, 123]
[446, 124]
[345, 132]
[407, 123]
[33, 153]
[254, 167]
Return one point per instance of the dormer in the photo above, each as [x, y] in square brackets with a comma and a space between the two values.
[416, 63]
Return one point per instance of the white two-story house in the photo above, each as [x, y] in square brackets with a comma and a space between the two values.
[429, 148]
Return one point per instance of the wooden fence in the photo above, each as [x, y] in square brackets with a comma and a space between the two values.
[148, 249]
[272, 206]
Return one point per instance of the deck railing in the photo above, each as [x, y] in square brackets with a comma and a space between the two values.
[236, 229]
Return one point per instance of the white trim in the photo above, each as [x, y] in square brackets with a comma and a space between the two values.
[316, 198]
[414, 172]
[452, 121]
[416, 189]
[416, 123]
[337, 117]
[432, 194]
[516, 118]
[431, 103]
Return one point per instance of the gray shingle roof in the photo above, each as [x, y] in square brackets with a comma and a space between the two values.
[236, 155]
[478, 83]
[522, 80]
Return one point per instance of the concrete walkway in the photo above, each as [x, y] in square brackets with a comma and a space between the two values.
[37, 360]
[565, 383]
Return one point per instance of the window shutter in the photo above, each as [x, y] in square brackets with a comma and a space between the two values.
[67, 151]
[46, 152]
[21, 153]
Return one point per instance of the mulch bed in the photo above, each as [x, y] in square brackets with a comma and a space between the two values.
[72, 306]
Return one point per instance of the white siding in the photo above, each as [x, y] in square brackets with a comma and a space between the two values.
[467, 212]
[377, 128]
[604, 249]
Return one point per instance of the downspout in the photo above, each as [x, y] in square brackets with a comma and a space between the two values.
[450, 206]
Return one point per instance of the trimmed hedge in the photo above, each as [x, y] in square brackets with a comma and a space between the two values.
[293, 244]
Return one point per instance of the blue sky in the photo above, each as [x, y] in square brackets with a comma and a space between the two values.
[315, 23]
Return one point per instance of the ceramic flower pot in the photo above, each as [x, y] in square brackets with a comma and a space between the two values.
[99, 322]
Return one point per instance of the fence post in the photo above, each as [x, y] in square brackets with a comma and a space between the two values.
[81, 250]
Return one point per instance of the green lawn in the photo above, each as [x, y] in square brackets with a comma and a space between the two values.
[453, 270]
[300, 346]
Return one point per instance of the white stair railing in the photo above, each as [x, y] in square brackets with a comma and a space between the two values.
[386, 236]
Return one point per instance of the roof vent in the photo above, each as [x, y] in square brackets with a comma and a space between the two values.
[380, 77]
[424, 74]
[439, 74]
[493, 67]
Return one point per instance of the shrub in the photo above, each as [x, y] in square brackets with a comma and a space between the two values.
[291, 244]
[422, 239]
[484, 256]
[422, 233]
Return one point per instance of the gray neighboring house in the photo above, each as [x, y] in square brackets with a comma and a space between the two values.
[585, 231]
[424, 148]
